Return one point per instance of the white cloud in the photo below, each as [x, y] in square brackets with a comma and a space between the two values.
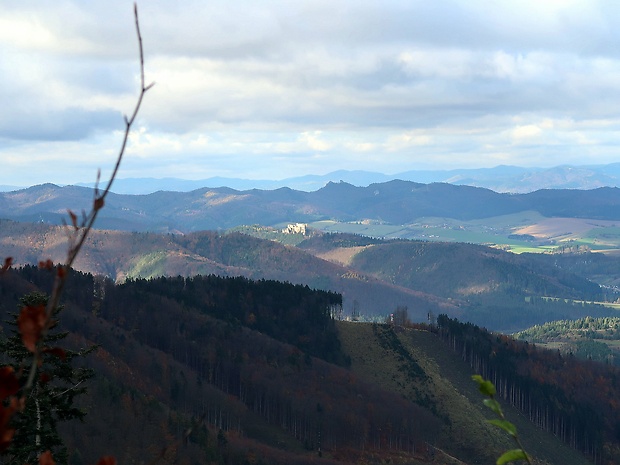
[526, 132]
[282, 87]
[314, 142]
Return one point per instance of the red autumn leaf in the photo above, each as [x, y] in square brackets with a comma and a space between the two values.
[6, 436]
[31, 322]
[61, 271]
[46, 458]
[8, 261]
[6, 433]
[73, 219]
[9, 384]
[18, 404]
[47, 264]
[45, 378]
[99, 202]
[107, 460]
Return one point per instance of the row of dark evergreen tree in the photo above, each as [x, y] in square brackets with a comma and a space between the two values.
[249, 358]
[574, 399]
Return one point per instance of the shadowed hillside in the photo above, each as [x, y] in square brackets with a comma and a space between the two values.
[461, 270]
[495, 289]
[180, 353]
[395, 202]
[492, 288]
[120, 255]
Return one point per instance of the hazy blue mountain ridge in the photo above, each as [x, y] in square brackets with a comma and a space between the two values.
[395, 202]
[501, 178]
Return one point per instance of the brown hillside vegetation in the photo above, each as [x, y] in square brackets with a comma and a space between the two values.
[181, 368]
[492, 288]
[120, 255]
[405, 399]
[343, 256]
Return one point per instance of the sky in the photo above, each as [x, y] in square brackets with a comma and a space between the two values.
[268, 89]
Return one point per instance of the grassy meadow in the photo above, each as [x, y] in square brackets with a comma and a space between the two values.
[418, 366]
[521, 232]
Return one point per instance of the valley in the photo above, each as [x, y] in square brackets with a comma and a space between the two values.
[518, 233]
[336, 330]
[539, 221]
[298, 388]
[177, 289]
[487, 286]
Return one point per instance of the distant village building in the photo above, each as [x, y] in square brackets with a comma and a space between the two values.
[296, 228]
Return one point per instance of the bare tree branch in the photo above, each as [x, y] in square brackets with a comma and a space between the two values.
[80, 232]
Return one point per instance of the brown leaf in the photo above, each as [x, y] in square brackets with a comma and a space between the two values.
[6, 433]
[18, 404]
[6, 437]
[9, 384]
[107, 460]
[8, 261]
[46, 265]
[73, 219]
[31, 322]
[46, 458]
[99, 202]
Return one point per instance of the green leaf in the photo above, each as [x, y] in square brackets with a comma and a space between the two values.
[511, 456]
[506, 426]
[484, 386]
[494, 405]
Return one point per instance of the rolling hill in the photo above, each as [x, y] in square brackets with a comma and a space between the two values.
[171, 357]
[394, 202]
[587, 338]
[120, 255]
[494, 288]
[487, 286]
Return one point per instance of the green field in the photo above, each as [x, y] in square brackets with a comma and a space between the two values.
[615, 306]
[520, 232]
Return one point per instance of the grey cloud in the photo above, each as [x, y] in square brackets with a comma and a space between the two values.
[68, 124]
[275, 69]
[100, 77]
[275, 28]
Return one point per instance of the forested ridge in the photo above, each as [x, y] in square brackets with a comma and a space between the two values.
[259, 370]
[120, 255]
[395, 201]
[578, 401]
[190, 347]
[587, 338]
[591, 328]
[494, 288]
[458, 270]
[489, 287]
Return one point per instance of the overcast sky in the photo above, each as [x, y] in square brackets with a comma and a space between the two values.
[273, 89]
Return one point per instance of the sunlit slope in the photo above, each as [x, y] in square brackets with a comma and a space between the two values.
[419, 366]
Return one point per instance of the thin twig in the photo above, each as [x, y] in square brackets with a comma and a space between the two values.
[68, 389]
[79, 235]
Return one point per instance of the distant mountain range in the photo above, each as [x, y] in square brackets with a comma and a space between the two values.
[394, 202]
[510, 179]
